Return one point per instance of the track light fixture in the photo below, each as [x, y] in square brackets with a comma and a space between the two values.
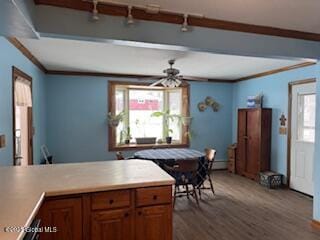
[95, 16]
[184, 27]
[130, 19]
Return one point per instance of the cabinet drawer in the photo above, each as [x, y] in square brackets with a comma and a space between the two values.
[109, 200]
[153, 196]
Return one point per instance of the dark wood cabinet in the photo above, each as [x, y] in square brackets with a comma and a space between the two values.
[112, 225]
[61, 219]
[254, 141]
[129, 214]
[153, 223]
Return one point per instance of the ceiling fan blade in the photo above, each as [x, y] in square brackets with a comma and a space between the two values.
[156, 83]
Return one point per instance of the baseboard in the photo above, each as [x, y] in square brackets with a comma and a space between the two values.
[220, 165]
[315, 224]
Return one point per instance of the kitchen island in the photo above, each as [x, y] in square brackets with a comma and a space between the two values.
[128, 199]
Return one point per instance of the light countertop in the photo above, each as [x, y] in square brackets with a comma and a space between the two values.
[24, 188]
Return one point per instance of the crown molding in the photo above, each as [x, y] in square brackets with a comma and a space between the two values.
[15, 42]
[271, 72]
[36, 62]
[177, 18]
[135, 76]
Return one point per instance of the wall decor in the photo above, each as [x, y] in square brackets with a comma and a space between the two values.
[255, 101]
[202, 106]
[209, 102]
[283, 120]
[283, 127]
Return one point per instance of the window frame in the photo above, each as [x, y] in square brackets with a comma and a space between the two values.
[112, 141]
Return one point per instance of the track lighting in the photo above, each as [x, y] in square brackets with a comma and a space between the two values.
[95, 16]
[184, 27]
[130, 19]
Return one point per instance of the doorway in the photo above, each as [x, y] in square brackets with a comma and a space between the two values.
[302, 135]
[22, 118]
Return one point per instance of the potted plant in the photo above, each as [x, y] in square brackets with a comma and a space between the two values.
[143, 140]
[114, 120]
[128, 136]
[166, 118]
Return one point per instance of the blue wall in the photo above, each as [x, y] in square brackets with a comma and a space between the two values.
[77, 127]
[275, 90]
[9, 57]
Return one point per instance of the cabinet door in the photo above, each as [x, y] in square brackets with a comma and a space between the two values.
[253, 144]
[63, 218]
[112, 225]
[154, 223]
[242, 142]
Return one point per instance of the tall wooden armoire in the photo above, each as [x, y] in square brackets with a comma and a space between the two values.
[254, 141]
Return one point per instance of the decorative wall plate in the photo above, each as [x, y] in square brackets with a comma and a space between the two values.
[202, 106]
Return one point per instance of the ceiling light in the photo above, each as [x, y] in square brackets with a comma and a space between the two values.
[172, 80]
[130, 19]
[184, 27]
[95, 16]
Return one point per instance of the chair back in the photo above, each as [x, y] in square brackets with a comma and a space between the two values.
[210, 156]
[46, 155]
[188, 165]
[183, 171]
[119, 156]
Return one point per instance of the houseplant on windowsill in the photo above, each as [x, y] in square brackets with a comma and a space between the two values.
[127, 136]
[115, 119]
[142, 129]
[167, 117]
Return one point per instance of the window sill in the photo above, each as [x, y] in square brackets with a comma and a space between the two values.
[126, 147]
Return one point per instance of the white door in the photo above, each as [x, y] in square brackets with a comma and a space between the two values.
[302, 137]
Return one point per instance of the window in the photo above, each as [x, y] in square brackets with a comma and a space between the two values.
[148, 112]
[306, 117]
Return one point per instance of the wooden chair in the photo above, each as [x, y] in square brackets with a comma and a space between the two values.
[119, 156]
[185, 173]
[46, 155]
[209, 160]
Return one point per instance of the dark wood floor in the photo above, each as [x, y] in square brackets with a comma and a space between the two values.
[244, 210]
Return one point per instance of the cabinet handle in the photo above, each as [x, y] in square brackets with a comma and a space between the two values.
[111, 201]
[126, 215]
[155, 197]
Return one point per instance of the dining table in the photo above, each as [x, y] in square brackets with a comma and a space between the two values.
[168, 156]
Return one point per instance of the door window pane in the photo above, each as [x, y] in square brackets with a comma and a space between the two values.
[306, 117]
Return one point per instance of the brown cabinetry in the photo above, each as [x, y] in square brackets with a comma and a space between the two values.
[232, 158]
[112, 225]
[61, 219]
[254, 141]
[153, 223]
[132, 214]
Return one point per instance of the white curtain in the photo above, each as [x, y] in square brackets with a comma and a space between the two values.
[22, 92]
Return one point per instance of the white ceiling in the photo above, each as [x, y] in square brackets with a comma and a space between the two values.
[71, 55]
[301, 15]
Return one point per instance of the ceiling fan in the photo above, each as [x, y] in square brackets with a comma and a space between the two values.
[173, 79]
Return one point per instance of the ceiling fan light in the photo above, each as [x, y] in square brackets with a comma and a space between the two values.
[185, 26]
[95, 13]
[130, 19]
